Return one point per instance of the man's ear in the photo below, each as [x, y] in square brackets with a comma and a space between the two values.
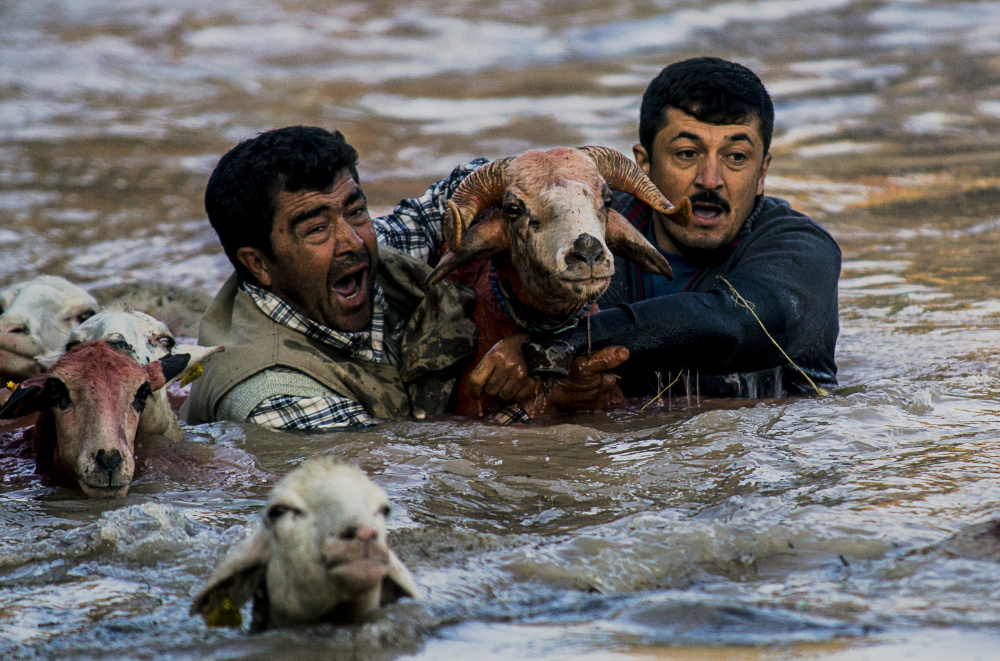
[763, 173]
[641, 157]
[257, 263]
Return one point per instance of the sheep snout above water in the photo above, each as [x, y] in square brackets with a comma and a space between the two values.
[320, 555]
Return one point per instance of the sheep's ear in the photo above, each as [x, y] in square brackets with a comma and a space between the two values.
[185, 364]
[485, 239]
[233, 582]
[29, 397]
[399, 582]
[626, 241]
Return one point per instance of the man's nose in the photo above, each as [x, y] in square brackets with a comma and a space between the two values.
[709, 174]
[348, 239]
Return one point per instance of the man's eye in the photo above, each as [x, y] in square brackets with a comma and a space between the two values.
[738, 158]
[316, 229]
[687, 153]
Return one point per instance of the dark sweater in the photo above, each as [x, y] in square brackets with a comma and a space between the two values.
[782, 262]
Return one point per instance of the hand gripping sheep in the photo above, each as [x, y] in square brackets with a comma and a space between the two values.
[320, 556]
[90, 401]
[549, 239]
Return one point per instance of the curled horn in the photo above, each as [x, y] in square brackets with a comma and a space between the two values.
[622, 174]
[483, 188]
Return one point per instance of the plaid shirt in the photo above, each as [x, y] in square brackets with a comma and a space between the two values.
[415, 227]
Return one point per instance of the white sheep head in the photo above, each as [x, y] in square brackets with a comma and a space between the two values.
[36, 317]
[136, 334]
[320, 556]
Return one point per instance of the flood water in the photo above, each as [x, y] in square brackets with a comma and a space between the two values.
[854, 526]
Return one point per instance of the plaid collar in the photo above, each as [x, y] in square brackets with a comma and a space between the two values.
[367, 344]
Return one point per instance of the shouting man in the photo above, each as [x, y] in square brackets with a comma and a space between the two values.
[324, 326]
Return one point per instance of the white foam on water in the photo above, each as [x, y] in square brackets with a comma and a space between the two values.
[837, 148]
[469, 116]
[934, 122]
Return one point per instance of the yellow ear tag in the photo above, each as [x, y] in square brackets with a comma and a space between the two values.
[192, 374]
[225, 614]
[11, 386]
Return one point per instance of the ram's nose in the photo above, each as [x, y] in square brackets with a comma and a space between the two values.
[586, 249]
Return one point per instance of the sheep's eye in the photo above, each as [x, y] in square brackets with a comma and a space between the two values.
[84, 316]
[57, 393]
[384, 511]
[166, 342]
[275, 512]
[141, 395]
[72, 344]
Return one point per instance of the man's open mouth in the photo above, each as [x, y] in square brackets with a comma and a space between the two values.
[706, 211]
[350, 287]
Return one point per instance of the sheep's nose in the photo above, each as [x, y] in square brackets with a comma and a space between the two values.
[586, 249]
[364, 533]
[108, 461]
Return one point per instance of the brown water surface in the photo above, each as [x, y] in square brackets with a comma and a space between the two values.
[856, 526]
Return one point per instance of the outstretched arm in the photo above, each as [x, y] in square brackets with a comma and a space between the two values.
[415, 226]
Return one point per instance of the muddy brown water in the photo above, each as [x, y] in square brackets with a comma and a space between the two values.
[855, 526]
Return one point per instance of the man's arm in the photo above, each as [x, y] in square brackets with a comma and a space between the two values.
[415, 226]
[789, 276]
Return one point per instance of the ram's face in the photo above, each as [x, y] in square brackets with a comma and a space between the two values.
[556, 211]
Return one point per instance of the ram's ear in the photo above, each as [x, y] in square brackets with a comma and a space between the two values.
[484, 239]
[399, 582]
[626, 241]
[233, 582]
[28, 397]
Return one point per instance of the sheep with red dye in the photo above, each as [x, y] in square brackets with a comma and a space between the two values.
[89, 403]
[544, 253]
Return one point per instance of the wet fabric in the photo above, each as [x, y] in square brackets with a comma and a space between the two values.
[782, 263]
[654, 284]
[438, 339]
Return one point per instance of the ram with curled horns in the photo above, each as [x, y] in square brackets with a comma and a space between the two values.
[544, 252]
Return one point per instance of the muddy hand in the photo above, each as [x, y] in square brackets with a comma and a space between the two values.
[589, 386]
[503, 373]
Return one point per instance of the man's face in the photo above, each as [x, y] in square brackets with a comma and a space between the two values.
[720, 168]
[324, 254]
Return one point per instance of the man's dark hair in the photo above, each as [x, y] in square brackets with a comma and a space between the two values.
[242, 192]
[709, 89]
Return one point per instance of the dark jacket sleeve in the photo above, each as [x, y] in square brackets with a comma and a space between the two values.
[787, 273]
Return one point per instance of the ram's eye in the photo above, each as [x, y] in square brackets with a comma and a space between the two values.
[166, 342]
[384, 511]
[141, 395]
[84, 316]
[513, 210]
[606, 196]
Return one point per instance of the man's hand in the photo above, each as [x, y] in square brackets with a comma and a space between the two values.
[588, 385]
[503, 373]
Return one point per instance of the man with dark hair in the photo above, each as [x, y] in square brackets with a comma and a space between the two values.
[746, 262]
[752, 308]
[323, 325]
